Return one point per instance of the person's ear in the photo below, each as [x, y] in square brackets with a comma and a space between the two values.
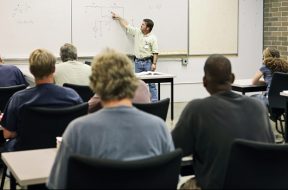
[232, 78]
[53, 69]
[204, 81]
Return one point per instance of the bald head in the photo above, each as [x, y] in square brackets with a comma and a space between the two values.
[218, 74]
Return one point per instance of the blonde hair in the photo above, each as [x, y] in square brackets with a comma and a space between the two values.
[276, 64]
[112, 76]
[41, 63]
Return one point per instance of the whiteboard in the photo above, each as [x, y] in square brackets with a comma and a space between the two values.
[213, 27]
[93, 28]
[30, 24]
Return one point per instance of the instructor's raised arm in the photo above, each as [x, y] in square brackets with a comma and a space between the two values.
[121, 20]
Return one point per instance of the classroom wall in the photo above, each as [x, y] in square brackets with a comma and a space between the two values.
[188, 81]
[276, 25]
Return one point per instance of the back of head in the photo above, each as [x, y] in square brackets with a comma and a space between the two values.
[276, 64]
[271, 52]
[218, 74]
[41, 63]
[68, 52]
[113, 76]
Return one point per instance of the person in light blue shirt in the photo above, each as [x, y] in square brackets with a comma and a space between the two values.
[119, 131]
[271, 63]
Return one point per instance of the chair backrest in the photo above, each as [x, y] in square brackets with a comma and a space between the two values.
[159, 108]
[7, 92]
[255, 165]
[85, 92]
[39, 126]
[279, 83]
[151, 173]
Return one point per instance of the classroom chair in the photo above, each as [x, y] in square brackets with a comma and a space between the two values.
[257, 165]
[7, 92]
[277, 102]
[39, 127]
[85, 92]
[159, 172]
[159, 108]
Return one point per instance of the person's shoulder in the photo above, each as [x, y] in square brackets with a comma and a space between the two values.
[252, 101]
[66, 89]
[24, 94]
[61, 64]
[198, 102]
[10, 67]
[147, 117]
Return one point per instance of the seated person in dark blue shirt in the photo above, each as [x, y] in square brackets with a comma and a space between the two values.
[10, 75]
[45, 93]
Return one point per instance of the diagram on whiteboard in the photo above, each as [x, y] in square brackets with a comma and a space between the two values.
[102, 17]
[21, 12]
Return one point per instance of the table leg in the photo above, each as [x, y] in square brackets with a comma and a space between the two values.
[12, 182]
[172, 99]
[158, 90]
[285, 120]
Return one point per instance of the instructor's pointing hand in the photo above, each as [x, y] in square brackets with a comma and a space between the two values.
[114, 16]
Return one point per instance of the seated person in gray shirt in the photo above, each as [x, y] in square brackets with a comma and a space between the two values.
[104, 134]
[208, 126]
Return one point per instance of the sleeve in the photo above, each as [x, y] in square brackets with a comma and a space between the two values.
[263, 69]
[132, 30]
[154, 46]
[9, 119]
[168, 142]
[20, 77]
[182, 134]
[58, 175]
[73, 95]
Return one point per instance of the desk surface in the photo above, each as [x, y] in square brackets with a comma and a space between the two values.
[245, 85]
[284, 93]
[153, 75]
[144, 75]
[30, 167]
[245, 82]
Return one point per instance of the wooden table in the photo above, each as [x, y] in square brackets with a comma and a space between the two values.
[30, 167]
[157, 77]
[244, 85]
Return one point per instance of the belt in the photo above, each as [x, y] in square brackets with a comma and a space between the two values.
[143, 59]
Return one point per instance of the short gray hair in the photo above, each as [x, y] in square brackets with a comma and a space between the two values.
[68, 52]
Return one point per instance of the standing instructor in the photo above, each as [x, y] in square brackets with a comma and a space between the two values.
[145, 48]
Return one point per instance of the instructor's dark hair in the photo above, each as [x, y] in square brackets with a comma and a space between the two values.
[149, 23]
